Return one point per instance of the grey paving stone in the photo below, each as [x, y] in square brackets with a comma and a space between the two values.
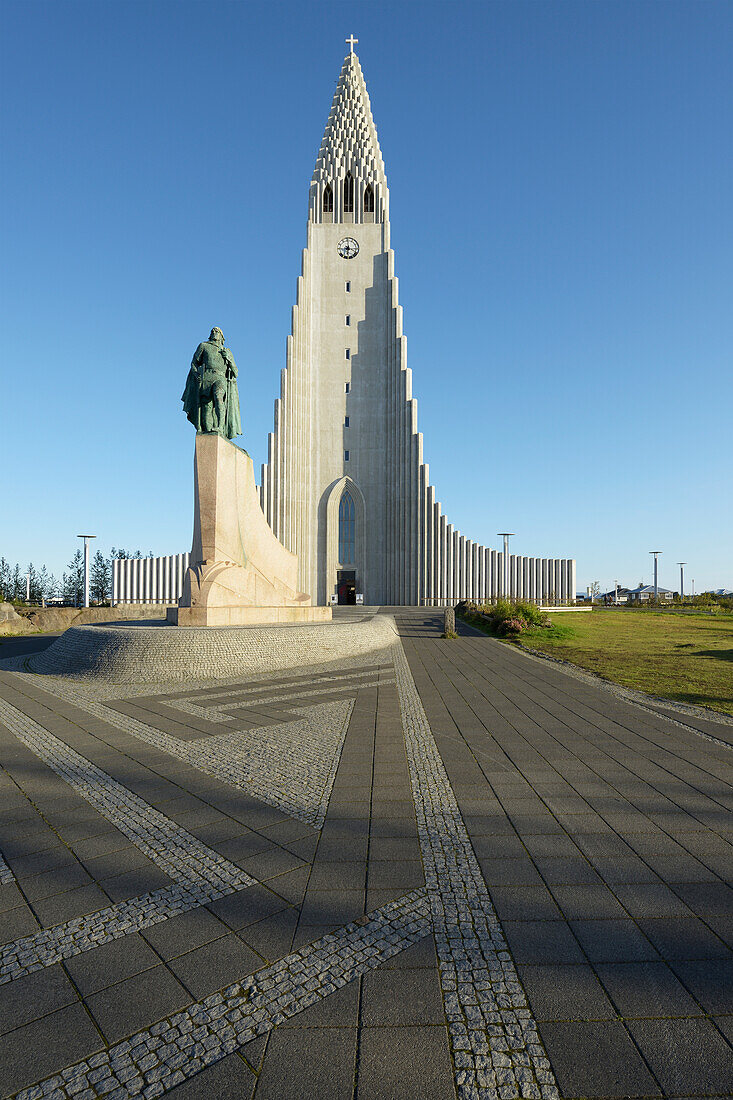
[391, 848]
[308, 1062]
[510, 872]
[588, 902]
[706, 898]
[556, 846]
[40, 1048]
[184, 932]
[136, 1003]
[686, 1056]
[524, 903]
[272, 938]
[646, 989]
[399, 998]
[74, 903]
[570, 992]
[684, 938]
[409, 1063]
[542, 942]
[215, 965]
[596, 1059]
[421, 955]
[229, 1079]
[131, 884]
[292, 885]
[267, 864]
[10, 897]
[567, 871]
[33, 996]
[650, 900]
[247, 906]
[332, 908]
[111, 963]
[16, 923]
[340, 1009]
[403, 874]
[710, 982]
[339, 848]
[613, 940]
[338, 875]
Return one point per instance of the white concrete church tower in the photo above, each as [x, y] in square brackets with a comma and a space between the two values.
[345, 486]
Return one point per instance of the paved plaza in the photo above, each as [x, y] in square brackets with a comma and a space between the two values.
[442, 869]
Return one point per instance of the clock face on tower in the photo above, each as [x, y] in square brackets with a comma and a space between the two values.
[348, 248]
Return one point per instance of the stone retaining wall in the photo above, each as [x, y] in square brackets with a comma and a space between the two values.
[155, 654]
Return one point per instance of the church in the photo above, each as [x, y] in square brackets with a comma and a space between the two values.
[345, 486]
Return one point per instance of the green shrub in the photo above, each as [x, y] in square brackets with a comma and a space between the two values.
[504, 618]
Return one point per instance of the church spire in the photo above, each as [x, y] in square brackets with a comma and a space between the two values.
[349, 182]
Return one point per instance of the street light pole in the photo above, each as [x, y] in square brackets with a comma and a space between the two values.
[682, 565]
[27, 588]
[616, 593]
[86, 566]
[506, 535]
[656, 554]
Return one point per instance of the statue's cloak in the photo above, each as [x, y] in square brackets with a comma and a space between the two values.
[209, 358]
[190, 399]
[233, 422]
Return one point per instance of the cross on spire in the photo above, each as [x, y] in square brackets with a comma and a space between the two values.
[352, 41]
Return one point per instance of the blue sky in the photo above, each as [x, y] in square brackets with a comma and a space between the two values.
[560, 178]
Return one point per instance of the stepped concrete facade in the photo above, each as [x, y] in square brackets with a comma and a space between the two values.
[345, 487]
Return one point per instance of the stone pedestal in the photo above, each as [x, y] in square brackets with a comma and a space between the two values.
[239, 572]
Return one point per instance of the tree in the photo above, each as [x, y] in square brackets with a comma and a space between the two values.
[17, 584]
[34, 584]
[5, 579]
[73, 580]
[100, 577]
[595, 591]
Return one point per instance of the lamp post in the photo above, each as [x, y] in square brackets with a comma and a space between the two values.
[506, 535]
[27, 588]
[86, 566]
[682, 565]
[656, 554]
[615, 597]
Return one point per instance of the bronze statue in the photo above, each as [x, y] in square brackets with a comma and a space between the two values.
[211, 398]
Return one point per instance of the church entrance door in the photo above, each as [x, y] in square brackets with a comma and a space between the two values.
[346, 586]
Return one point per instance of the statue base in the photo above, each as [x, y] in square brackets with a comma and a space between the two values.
[244, 616]
[239, 572]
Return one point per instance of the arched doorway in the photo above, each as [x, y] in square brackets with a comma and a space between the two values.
[345, 573]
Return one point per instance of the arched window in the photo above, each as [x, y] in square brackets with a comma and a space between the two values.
[328, 199]
[346, 528]
[349, 194]
[369, 200]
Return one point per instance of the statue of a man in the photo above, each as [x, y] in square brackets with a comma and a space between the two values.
[211, 399]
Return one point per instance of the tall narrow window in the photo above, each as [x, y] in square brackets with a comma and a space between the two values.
[349, 194]
[346, 529]
[327, 199]
[369, 200]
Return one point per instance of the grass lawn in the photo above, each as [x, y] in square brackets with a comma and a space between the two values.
[685, 657]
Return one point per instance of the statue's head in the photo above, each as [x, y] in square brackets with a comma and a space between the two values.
[217, 337]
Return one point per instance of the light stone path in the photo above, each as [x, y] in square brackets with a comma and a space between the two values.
[471, 877]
